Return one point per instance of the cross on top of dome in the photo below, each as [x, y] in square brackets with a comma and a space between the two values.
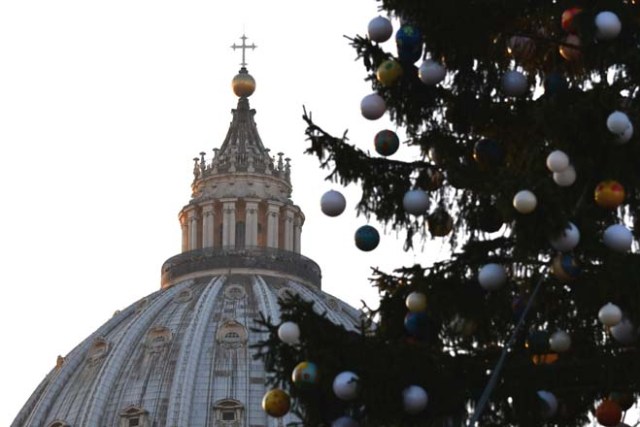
[244, 46]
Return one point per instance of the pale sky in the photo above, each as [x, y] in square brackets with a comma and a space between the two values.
[102, 107]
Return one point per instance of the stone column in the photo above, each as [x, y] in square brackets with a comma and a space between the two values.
[228, 223]
[194, 226]
[273, 217]
[297, 232]
[208, 226]
[251, 222]
[184, 226]
[288, 229]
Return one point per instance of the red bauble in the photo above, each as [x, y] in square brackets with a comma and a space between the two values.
[609, 413]
[568, 19]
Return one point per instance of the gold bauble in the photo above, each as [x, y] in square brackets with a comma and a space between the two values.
[243, 84]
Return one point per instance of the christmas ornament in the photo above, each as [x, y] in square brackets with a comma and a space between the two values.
[525, 201]
[538, 342]
[567, 240]
[409, 43]
[609, 194]
[345, 385]
[417, 325]
[414, 399]
[488, 217]
[416, 301]
[514, 83]
[560, 341]
[367, 238]
[492, 276]
[550, 403]
[568, 17]
[380, 29]
[389, 72]
[624, 332]
[488, 153]
[609, 413]
[555, 84]
[566, 178]
[557, 161]
[332, 203]
[610, 314]
[565, 267]
[431, 73]
[440, 222]
[626, 135]
[289, 333]
[345, 422]
[625, 400]
[373, 106]
[618, 122]
[570, 48]
[430, 179]
[386, 142]
[608, 25]
[415, 202]
[618, 237]
[521, 48]
[305, 375]
[276, 403]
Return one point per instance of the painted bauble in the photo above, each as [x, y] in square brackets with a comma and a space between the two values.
[560, 341]
[624, 332]
[431, 72]
[414, 399]
[332, 203]
[345, 385]
[416, 301]
[439, 222]
[617, 237]
[625, 400]
[409, 43]
[521, 48]
[389, 72]
[566, 178]
[289, 333]
[525, 202]
[417, 325]
[610, 314]
[514, 83]
[570, 48]
[488, 153]
[609, 413]
[345, 422]
[568, 19]
[608, 25]
[305, 375]
[386, 142]
[549, 403]
[492, 276]
[367, 238]
[415, 202]
[626, 136]
[618, 122]
[373, 106]
[557, 161]
[609, 194]
[565, 267]
[555, 84]
[567, 239]
[380, 29]
[276, 403]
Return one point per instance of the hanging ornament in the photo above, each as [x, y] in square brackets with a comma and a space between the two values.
[345, 385]
[610, 314]
[415, 202]
[440, 222]
[570, 48]
[386, 142]
[568, 19]
[567, 240]
[566, 178]
[373, 106]
[367, 238]
[409, 43]
[560, 341]
[345, 422]
[626, 136]
[565, 267]
[414, 399]
[276, 403]
[430, 179]
[289, 333]
[305, 375]
[492, 276]
[618, 237]
[557, 161]
[332, 203]
[625, 400]
[525, 202]
[624, 332]
[521, 48]
[549, 403]
[431, 72]
[389, 72]
[555, 84]
[380, 29]
[609, 194]
[609, 413]
[538, 342]
[416, 301]
[417, 325]
[618, 122]
[488, 218]
[514, 83]
[608, 25]
[488, 153]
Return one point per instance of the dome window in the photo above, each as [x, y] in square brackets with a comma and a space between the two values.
[232, 334]
[132, 416]
[234, 292]
[185, 295]
[228, 413]
[157, 338]
[58, 423]
[98, 350]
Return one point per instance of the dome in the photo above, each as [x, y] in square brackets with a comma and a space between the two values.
[243, 84]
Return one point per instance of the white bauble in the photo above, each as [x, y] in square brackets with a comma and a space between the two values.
[373, 106]
[618, 122]
[345, 385]
[557, 161]
[610, 314]
[560, 341]
[567, 240]
[624, 332]
[566, 178]
[550, 401]
[525, 201]
[289, 333]
[608, 25]
[626, 135]
[431, 72]
[618, 237]
[416, 301]
[332, 203]
[345, 422]
[380, 29]
[415, 202]
[492, 276]
[514, 83]
[414, 399]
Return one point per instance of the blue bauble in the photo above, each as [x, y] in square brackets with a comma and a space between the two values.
[409, 43]
[367, 238]
[565, 267]
[417, 324]
[488, 153]
[555, 83]
[386, 142]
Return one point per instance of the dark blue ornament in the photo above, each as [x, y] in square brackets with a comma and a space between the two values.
[565, 267]
[488, 153]
[417, 325]
[555, 83]
[409, 43]
[367, 238]
[538, 342]
[386, 142]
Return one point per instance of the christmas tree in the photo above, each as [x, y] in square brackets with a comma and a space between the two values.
[524, 113]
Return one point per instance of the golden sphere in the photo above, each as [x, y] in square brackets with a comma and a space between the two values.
[243, 84]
